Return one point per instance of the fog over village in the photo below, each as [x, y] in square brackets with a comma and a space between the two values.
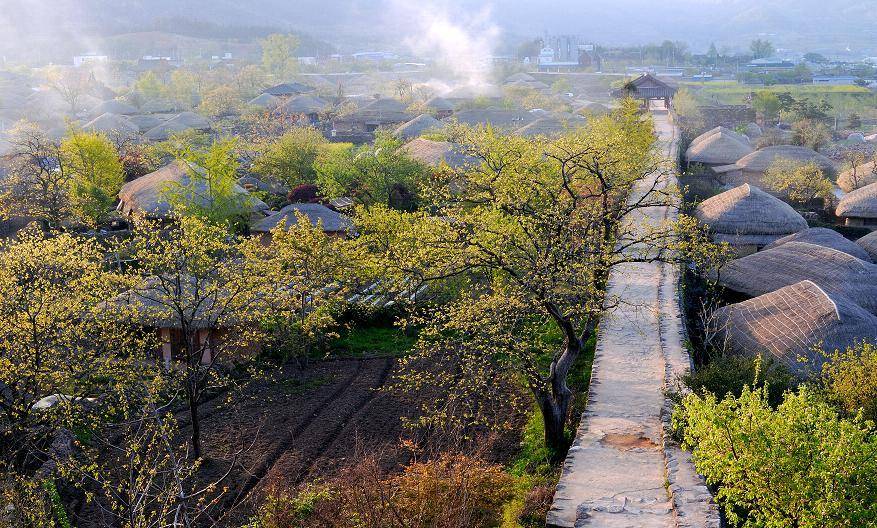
[438, 264]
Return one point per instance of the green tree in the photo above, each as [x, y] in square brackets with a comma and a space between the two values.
[150, 87]
[524, 241]
[810, 133]
[761, 49]
[290, 158]
[211, 191]
[799, 465]
[278, 57]
[55, 340]
[767, 104]
[371, 174]
[35, 186]
[183, 89]
[222, 101]
[96, 175]
[801, 182]
[850, 380]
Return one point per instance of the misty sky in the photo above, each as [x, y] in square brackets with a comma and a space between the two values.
[816, 25]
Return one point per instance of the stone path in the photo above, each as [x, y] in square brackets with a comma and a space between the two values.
[622, 470]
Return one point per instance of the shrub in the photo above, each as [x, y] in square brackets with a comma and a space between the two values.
[451, 491]
[305, 193]
[850, 380]
[730, 375]
[799, 465]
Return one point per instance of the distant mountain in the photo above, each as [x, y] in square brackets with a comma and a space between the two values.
[802, 24]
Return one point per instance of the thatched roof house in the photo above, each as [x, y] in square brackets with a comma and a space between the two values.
[859, 208]
[869, 244]
[289, 89]
[593, 109]
[112, 124]
[475, 91]
[418, 126]
[519, 77]
[751, 168]
[834, 271]
[822, 236]
[441, 106]
[721, 130]
[380, 112]
[865, 174]
[495, 117]
[435, 153]
[178, 123]
[191, 120]
[266, 101]
[113, 106]
[145, 122]
[794, 323]
[305, 105]
[720, 148]
[147, 194]
[748, 218]
[332, 222]
[546, 126]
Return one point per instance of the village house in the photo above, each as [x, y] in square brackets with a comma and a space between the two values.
[859, 208]
[331, 222]
[748, 218]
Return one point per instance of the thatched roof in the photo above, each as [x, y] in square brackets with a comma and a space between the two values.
[499, 118]
[164, 130]
[490, 91]
[288, 89]
[113, 106]
[861, 203]
[834, 271]
[753, 131]
[761, 160]
[146, 194]
[869, 244]
[191, 120]
[112, 123]
[155, 304]
[253, 183]
[434, 153]
[546, 126]
[822, 236]
[593, 109]
[866, 174]
[748, 215]
[331, 221]
[516, 77]
[417, 126]
[145, 122]
[794, 323]
[304, 104]
[381, 112]
[265, 100]
[440, 104]
[718, 149]
[720, 130]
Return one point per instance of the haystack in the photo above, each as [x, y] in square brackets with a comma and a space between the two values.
[824, 237]
[834, 271]
[796, 325]
[748, 218]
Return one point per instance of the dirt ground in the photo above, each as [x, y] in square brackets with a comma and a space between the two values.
[303, 425]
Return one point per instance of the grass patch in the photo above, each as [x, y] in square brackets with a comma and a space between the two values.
[535, 473]
[844, 98]
[381, 341]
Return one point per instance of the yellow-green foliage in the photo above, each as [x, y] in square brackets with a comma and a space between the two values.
[95, 172]
[850, 380]
[802, 182]
[799, 465]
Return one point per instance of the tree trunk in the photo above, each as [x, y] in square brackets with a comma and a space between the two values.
[554, 413]
[196, 426]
